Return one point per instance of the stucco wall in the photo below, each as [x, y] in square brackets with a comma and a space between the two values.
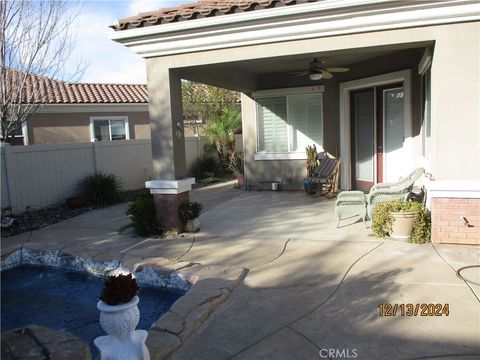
[456, 103]
[294, 170]
[455, 88]
[52, 128]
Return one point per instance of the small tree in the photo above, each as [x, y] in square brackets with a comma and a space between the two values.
[221, 130]
[36, 39]
[205, 102]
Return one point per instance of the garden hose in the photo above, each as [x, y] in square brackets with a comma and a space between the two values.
[464, 278]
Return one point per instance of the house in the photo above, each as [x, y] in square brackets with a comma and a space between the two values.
[387, 86]
[83, 112]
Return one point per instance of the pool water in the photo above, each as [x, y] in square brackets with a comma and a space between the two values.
[66, 300]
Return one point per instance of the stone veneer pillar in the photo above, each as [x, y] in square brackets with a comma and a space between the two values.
[170, 187]
[168, 195]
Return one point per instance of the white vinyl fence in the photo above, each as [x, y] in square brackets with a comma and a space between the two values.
[36, 176]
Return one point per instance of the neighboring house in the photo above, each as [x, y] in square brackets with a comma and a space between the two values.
[410, 97]
[82, 112]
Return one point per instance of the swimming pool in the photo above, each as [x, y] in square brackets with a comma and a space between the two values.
[66, 300]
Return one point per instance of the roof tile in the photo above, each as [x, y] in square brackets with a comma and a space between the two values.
[202, 8]
[40, 89]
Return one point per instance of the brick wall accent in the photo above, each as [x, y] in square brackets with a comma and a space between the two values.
[166, 206]
[447, 226]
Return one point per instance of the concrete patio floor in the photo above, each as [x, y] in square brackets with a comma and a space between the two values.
[310, 285]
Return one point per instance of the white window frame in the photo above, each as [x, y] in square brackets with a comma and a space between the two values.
[262, 94]
[24, 133]
[109, 118]
[425, 66]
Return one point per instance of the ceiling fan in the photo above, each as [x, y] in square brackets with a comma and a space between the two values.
[316, 71]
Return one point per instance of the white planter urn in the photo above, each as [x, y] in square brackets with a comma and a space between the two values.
[192, 225]
[122, 341]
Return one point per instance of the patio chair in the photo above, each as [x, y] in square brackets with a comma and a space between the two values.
[392, 191]
[357, 203]
[326, 174]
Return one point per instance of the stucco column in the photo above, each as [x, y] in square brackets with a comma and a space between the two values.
[169, 186]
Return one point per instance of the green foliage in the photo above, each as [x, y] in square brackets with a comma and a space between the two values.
[190, 210]
[207, 164]
[312, 159]
[142, 213]
[382, 221]
[205, 101]
[119, 289]
[222, 129]
[101, 189]
[235, 164]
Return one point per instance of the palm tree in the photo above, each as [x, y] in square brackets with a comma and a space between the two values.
[221, 131]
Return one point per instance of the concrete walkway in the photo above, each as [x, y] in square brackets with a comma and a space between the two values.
[311, 288]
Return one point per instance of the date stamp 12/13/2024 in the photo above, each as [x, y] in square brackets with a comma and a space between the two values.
[409, 309]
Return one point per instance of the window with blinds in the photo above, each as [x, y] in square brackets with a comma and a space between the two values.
[289, 123]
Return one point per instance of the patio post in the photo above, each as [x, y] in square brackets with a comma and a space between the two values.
[170, 187]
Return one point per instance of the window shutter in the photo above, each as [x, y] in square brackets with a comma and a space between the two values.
[305, 116]
[272, 125]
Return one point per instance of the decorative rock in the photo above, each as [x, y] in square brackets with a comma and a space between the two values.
[161, 344]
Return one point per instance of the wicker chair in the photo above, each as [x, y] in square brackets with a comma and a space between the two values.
[392, 191]
[357, 203]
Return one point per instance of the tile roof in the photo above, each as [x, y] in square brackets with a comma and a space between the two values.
[40, 89]
[200, 9]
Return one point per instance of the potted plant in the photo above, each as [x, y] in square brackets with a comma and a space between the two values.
[189, 213]
[236, 166]
[119, 316]
[312, 165]
[402, 220]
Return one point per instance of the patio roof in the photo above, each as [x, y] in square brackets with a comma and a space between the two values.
[198, 10]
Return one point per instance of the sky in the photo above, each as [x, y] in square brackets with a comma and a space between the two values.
[108, 61]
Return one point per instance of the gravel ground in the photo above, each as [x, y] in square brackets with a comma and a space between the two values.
[37, 219]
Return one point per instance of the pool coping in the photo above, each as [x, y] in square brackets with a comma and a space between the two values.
[207, 287]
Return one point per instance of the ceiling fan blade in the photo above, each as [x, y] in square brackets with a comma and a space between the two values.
[326, 75]
[298, 73]
[337, 69]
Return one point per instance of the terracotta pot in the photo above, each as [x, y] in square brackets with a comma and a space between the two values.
[241, 181]
[402, 225]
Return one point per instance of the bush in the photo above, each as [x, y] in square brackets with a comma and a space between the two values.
[142, 213]
[101, 189]
[119, 289]
[236, 164]
[382, 221]
[190, 210]
[207, 164]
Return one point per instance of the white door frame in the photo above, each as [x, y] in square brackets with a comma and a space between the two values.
[404, 76]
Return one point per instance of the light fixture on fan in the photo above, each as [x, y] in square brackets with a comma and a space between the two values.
[317, 72]
[315, 76]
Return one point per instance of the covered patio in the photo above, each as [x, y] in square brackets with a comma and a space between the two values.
[386, 113]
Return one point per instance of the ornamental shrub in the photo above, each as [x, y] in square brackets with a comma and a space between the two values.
[142, 213]
[189, 211]
[382, 221]
[119, 289]
[101, 189]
